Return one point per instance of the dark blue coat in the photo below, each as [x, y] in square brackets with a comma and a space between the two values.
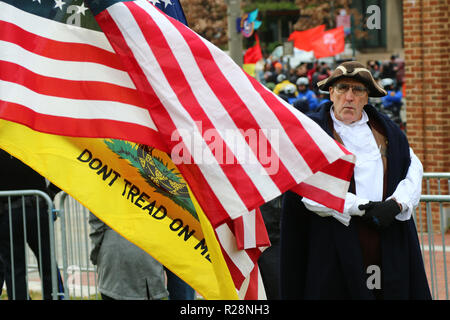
[321, 258]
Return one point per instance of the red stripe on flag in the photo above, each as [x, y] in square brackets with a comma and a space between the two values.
[238, 229]
[66, 51]
[254, 254]
[262, 237]
[319, 195]
[252, 290]
[216, 213]
[235, 273]
[340, 169]
[93, 128]
[71, 89]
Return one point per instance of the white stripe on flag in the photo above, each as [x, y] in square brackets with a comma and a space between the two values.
[239, 258]
[249, 230]
[61, 69]
[80, 109]
[334, 185]
[244, 290]
[244, 287]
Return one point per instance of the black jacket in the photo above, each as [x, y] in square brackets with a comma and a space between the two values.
[15, 175]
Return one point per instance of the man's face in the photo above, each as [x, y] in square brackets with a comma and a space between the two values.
[302, 70]
[349, 98]
[301, 88]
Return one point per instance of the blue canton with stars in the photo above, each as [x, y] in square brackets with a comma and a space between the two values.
[80, 12]
[74, 12]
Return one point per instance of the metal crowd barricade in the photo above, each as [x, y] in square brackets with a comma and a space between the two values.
[73, 249]
[70, 244]
[29, 265]
[69, 248]
[433, 228]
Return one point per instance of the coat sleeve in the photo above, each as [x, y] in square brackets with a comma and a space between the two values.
[96, 234]
[293, 246]
[408, 190]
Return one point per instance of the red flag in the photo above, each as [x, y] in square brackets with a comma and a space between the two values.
[331, 43]
[253, 54]
[303, 39]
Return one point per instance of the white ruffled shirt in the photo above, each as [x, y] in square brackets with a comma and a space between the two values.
[359, 140]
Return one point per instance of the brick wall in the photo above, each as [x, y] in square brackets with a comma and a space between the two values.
[427, 77]
[427, 56]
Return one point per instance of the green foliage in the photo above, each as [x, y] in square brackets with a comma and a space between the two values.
[272, 45]
[124, 150]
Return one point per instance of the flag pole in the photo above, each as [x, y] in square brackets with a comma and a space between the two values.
[234, 38]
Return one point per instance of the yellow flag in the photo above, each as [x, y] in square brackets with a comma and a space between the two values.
[138, 192]
[250, 68]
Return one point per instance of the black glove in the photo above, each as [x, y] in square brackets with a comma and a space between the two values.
[380, 213]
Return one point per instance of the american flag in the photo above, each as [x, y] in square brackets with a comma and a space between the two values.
[46, 65]
[180, 83]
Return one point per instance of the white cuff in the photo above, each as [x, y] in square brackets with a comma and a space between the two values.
[352, 202]
[350, 208]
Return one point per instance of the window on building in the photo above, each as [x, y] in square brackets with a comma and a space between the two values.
[376, 38]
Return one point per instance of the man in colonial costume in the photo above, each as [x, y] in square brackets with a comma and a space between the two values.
[371, 250]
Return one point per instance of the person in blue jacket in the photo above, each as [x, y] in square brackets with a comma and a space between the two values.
[304, 93]
[322, 97]
[288, 93]
[393, 100]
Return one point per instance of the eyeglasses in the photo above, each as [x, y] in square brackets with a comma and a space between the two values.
[356, 89]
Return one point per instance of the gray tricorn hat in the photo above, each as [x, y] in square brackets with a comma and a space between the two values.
[353, 70]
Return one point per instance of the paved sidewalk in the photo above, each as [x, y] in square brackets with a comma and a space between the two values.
[82, 286]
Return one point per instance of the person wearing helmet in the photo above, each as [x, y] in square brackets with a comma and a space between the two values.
[393, 100]
[282, 82]
[288, 93]
[304, 93]
[322, 97]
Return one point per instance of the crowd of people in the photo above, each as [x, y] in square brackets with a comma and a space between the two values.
[298, 85]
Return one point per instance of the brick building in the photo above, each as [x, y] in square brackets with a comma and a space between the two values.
[426, 27]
